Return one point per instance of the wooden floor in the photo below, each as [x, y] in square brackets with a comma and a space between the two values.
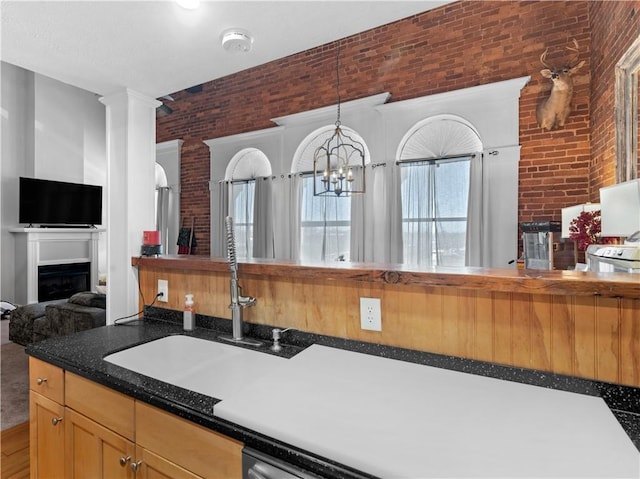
[14, 445]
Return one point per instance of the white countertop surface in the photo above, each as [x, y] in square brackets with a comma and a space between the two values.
[395, 419]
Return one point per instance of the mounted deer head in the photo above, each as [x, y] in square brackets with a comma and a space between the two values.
[553, 111]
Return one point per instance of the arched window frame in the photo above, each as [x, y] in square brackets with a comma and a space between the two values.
[436, 154]
[325, 221]
[241, 173]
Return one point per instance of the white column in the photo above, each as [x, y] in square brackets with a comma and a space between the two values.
[131, 147]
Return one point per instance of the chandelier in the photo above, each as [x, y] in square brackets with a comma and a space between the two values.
[338, 163]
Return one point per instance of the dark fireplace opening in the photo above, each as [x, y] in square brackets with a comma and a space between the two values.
[59, 281]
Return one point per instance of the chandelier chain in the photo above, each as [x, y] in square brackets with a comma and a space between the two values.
[338, 80]
[335, 169]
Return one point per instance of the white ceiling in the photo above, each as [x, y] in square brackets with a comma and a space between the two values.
[157, 48]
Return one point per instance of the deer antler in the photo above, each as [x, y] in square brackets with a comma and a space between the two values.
[543, 59]
[573, 62]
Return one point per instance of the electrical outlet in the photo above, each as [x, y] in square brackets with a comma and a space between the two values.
[163, 287]
[370, 314]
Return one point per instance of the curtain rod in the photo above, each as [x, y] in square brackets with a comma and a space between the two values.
[433, 160]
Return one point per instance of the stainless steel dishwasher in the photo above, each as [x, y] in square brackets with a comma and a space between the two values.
[256, 465]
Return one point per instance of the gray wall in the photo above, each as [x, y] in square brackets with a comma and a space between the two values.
[50, 130]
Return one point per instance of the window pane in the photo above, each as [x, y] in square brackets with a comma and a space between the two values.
[452, 189]
[325, 226]
[451, 242]
[434, 210]
[242, 213]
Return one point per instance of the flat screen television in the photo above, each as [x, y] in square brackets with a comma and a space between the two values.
[58, 203]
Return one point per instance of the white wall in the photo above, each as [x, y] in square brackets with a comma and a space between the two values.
[16, 107]
[50, 130]
[492, 109]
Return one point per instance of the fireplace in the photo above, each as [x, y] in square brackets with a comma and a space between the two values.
[60, 281]
[43, 251]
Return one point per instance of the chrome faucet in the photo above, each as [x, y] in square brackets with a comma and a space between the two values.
[238, 302]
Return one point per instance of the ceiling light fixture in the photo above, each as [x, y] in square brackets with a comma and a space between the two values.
[339, 162]
[188, 4]
[237, 40]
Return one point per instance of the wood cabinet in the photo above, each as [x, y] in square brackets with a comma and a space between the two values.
[92, 431]
[46, 421]
[152, 466]
[105, 406]
[99, 431]
[46, 380]
[202, 451]
[94, 451]
[46, 436]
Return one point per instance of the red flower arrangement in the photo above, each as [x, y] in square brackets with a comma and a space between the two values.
[585, 230]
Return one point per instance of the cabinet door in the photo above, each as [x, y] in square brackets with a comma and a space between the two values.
[93, 451]
[152, 466]
[46, 431]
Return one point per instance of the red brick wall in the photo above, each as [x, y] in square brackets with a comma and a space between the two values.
[460, 45]
[615, 25]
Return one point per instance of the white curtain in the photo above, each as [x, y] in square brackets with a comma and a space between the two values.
[287, 196]
[475, 251]
[220, 190]
[376, 217]
[418, 198]
[263, 240]
[276, 217]
[493, 208]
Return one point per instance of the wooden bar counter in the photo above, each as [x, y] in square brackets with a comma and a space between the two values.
[616, 285]
[567, 322]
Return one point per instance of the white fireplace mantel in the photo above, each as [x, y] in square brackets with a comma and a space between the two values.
[51, 246]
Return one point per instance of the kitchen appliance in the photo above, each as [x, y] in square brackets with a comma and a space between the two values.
[615, 258]
[544, 248]
[256, 465]
[151, 243]
[620, 208]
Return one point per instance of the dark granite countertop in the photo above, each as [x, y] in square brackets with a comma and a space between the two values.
[83, 353]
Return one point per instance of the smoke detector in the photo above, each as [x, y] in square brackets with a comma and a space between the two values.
[236, 40]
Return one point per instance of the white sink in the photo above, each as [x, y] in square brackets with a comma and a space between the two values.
[207, 367]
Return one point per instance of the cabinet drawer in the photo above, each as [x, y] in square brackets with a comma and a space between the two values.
[197, 449]
[46, 379]
[105, 406]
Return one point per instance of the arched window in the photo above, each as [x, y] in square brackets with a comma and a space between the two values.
[439, 136]
[325, 221]
[248, 163]
[162, 205]
[243, 169]
[435, 155]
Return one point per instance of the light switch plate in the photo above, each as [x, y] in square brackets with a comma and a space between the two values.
[370, 314]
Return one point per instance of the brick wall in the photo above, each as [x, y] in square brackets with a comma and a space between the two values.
[460, 45]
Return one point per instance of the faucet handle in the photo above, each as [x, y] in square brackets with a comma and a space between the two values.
[246, 301]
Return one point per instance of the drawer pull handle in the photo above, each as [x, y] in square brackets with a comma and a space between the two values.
[41, 381]
[124, 460]
[135, 466]
[56, 420]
